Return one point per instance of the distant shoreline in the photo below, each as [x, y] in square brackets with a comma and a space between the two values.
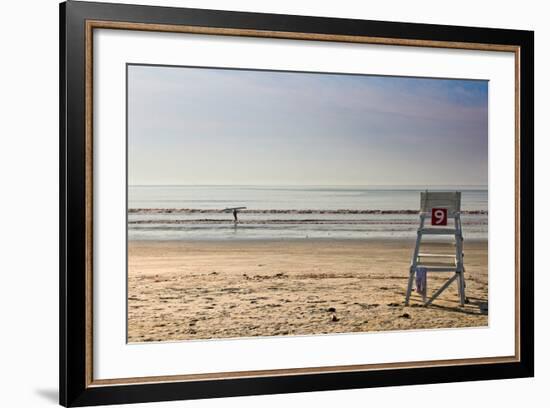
[298, 241]
[412, 187]
[282, 211]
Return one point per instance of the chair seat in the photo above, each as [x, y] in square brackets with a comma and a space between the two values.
[438, 231]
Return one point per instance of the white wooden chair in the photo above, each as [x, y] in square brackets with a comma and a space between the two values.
[434, 201]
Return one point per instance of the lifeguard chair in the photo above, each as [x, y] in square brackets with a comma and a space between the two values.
[438, 208]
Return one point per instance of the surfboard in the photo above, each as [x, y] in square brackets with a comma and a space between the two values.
[234, 208]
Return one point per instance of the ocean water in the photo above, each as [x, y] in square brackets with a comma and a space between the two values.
[289, 212]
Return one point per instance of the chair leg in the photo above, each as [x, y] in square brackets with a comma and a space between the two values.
[459, 286]
[409, 285]
[461, 294]
[414, 261]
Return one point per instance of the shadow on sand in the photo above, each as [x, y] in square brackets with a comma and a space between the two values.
[480, 303]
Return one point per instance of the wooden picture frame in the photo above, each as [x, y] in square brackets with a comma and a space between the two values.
[78, 20]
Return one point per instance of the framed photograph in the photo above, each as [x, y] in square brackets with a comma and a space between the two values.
[256, 203]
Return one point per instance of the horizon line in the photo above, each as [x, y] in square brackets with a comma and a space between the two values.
[307, 185]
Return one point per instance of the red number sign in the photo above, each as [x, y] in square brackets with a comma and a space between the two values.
[439, 216]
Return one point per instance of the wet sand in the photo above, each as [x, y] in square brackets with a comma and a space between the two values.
[181, 290]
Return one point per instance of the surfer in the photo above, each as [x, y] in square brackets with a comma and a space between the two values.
[235, 211]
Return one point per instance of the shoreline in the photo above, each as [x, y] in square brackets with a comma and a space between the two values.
[342, 211]
[252, 241]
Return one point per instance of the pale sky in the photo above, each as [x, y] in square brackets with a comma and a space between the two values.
[243, 127]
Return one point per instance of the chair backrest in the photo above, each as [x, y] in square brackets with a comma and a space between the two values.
[440, 199]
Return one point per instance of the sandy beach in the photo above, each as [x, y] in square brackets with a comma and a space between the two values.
[180, 290]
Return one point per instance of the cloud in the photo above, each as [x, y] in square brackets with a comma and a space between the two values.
[265, 125]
